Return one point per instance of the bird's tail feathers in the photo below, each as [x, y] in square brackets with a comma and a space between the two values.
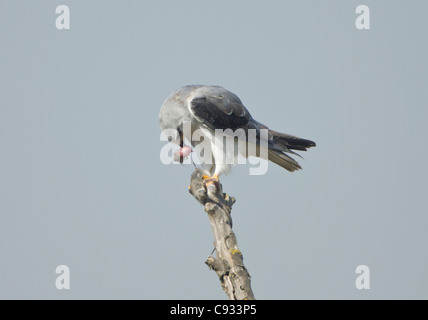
[290, 142]
[283, 160]
[282, 143]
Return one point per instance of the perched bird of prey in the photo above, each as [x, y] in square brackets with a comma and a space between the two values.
[208, 108]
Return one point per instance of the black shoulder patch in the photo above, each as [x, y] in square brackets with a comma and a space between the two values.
[213, 117]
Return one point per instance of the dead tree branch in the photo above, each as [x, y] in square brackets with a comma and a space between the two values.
[228, 263]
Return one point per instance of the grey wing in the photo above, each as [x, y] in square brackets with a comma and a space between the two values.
[218, 108]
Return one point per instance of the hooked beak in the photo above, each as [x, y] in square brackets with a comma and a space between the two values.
[181, 144]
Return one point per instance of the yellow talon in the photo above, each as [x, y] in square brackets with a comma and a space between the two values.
[211, 180]
[214, 177]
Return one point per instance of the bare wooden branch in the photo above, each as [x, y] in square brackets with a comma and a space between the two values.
[228, 263]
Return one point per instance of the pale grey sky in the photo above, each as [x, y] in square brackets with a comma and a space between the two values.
[81, 182]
